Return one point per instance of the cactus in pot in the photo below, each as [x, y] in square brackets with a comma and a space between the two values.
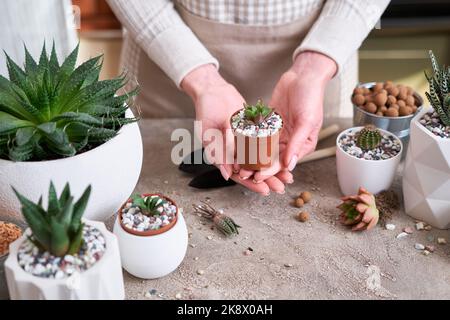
[369, 138]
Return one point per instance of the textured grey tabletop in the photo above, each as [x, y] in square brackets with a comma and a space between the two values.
[319, 259]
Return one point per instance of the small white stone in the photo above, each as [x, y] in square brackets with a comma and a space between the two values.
[178, 296]
[441, 240]
[401, 235]
[196, 258]
[200, 272]
[390, 226]
[419, 246]
[209, 237]
[426, 252]
[192, 245]
[420, 226]
[147, 294]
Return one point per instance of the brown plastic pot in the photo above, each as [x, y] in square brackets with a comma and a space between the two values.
[265, 149]
[149, 232]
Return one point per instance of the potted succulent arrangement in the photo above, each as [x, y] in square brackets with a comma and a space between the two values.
[60, 122]
[152, 235]
[256, 129]
[426, 177]
[9, 232]
[387, 106]
[62, 256]
[367, 156]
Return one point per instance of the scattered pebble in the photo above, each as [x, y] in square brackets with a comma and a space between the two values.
[306, 196]
[426, 252]
[441, 240]
[303, 216]
[178, 296]
[200, 272]
[390, 226]
[209, 237]
[419, 246]
[147, 294]
[420, 225]
[247, 252]
[45, 265]
[428, 227]
[401, 235]
[389, 146]
[430, 248]
[299, 202]
[408, 230]
[192, 245]
[288, 265]
[196, 258]
[430, 238]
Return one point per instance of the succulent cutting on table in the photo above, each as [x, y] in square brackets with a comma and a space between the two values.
[50, 110]
[224, 223]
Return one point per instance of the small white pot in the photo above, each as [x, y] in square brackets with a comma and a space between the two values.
[374, 175]
[112, 169]
[154, 256]
[104, 280]
[426, 177]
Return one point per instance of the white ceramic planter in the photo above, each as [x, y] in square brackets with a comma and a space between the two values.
[104, 280]
[374, 175]
[426, 177]
[112, 168]
[155, 256]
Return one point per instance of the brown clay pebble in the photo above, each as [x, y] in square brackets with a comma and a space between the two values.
[303, 216]
[306, 196]
[410, 91]
[358, 90]
[393, 91]
[410, 101]
[403, 93]
[378, 87]
[359, 99]
[366, 91]
[394, 106]
[401, 103]
[369, 98]
[403, 111]
[380, 99]
[391, 100]
[299, 202]
[414, 109]
[380, 113]
[383, 109]
[388, 83]
[410, 110]
[391, 112]
[370, 107]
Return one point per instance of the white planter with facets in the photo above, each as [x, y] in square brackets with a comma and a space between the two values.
[374, 175]
[426, 177]
[104, 280]
[152, 256]
[112, 169]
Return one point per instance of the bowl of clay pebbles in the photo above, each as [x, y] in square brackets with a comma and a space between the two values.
[387, 106]
[9, 232]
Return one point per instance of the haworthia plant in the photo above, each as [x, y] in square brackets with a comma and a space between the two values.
[50, 110]
[257, 113]
[59, 229]
[439, 90]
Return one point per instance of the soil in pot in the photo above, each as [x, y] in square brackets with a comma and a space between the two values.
[433, 123]
[148, 214]
[256, 130]
[43, 264]
[9, 232]
[388, 147]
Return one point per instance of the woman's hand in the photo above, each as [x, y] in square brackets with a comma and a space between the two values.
[215, 102]
[298, 97]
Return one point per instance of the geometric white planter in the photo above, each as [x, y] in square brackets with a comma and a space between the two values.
[374, 175]
[104, 280]
[155, 256]
[426, 177]
[112, 168]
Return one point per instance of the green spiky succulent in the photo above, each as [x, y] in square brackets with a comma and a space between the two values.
[369, 138]
[222, 222]
[150, 205]
[50, 111]
[439, 86]
[257, 113]
[59, 229]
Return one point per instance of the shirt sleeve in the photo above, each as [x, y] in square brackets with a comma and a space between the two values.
[157, 27]
[341, 28]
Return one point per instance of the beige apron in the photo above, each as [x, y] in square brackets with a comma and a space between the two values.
[252, 58]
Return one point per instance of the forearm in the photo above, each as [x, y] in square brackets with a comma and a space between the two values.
[342, 27]
[157, 27]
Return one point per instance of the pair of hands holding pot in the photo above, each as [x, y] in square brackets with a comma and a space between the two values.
[297, 97]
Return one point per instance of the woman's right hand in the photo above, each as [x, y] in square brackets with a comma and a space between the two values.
[215, 102]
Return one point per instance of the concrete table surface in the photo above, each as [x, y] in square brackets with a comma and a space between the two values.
[319, 259]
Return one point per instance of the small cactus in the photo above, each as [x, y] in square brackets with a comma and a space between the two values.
[369, 138]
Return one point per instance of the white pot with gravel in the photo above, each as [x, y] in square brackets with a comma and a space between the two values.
[152, 236]
[61, 256]
[426, 178]
[367, 157]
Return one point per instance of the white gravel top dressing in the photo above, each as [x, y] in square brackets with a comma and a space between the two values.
[432, 122]
[389, 147]
[268, 127]
[133, 218]
[45, 265]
